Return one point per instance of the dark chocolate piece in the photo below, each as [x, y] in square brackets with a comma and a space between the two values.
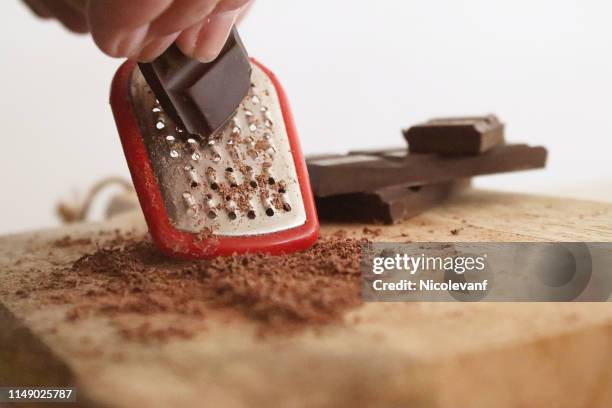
[358, 173]
[320, 156]
[456, 136]
[389, 204]
[390, 153]
[200, 97]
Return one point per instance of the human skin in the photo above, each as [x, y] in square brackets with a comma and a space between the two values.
[143, 29]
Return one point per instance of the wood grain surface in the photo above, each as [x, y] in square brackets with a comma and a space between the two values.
[382, 355]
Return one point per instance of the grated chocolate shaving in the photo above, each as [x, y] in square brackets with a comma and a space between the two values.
[279, 293]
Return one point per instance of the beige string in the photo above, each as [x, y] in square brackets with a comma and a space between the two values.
[71, 212]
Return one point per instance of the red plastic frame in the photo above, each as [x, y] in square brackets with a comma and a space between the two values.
[186, 245]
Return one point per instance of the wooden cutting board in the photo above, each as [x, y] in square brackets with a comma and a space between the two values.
[395, 355]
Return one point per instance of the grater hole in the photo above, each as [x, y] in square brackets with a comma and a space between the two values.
[229, 170]
[271, 181]
[253, 184]
[214, 186]
[270, 212]
[251, 215]
[232, 215]
[212, 215]
[286, 207]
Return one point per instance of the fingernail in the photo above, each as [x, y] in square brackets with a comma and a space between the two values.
[213, 35]
[130, 43]
[154, 48]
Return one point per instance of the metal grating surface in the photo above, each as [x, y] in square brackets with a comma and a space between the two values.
[240, 181]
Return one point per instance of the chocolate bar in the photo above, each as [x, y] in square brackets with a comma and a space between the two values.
[355, 173]
[390, 153]
[200, 97]
[456, 136]
[387, 205]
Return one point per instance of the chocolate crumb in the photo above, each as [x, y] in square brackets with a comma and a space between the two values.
[280, 293]
[73, 314]
[21, 293]
[374, 232]
[145, 332]
[68, 241]
[340, 234]
[455, 232]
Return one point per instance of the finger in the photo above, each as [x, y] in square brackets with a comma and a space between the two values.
[182, 14]
[121, 43]
[119, 27]
[124, 14]
[227, 5]
[186, 41]
[205, 41]
[38, 7]
[154, 48]
[78, 4]
[71, 17]
[123, 28]
[244, 11]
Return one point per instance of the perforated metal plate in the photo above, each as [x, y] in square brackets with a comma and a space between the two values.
[240, 181]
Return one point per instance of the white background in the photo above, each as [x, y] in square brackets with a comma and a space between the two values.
[355, 71]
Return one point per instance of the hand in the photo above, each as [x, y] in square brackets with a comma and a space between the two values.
[143, 29]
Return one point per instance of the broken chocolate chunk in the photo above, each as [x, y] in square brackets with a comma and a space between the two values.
[344, 174]
[456, 136]
[390, 153]
[200, 97]
[387, 205]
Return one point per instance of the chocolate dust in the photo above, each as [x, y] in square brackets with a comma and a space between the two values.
[281, 294]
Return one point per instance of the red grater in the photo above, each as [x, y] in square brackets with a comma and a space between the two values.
[243, 189]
